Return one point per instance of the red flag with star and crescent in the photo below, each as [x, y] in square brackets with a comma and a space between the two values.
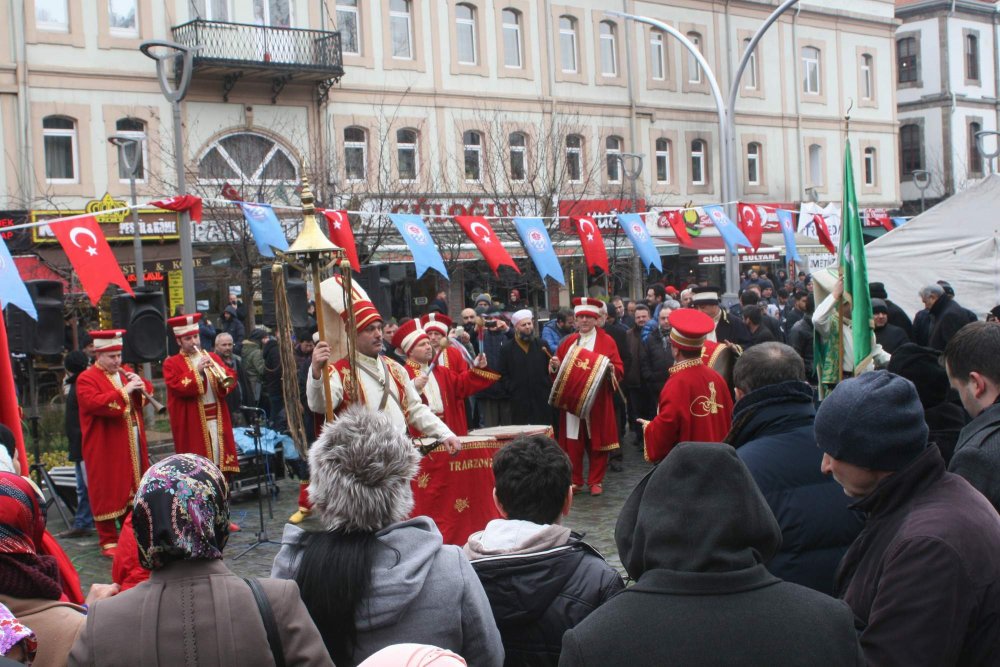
[823, 233]
[481, 233]
[594, 252]
[675, 219]
[89, 253]
[751, 222]
[339, 226]
[190, 203]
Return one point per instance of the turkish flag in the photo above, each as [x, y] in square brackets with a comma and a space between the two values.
[89, 253]
[480, 233]
[751, 222]
[190, 203]
[594, 252]
[823, 233]
[10, 411]
[230, 193]
[342, 235]
[676, 221]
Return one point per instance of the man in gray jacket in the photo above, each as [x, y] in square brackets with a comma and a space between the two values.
[972, 358]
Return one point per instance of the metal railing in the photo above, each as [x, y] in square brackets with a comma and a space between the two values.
[242, 45]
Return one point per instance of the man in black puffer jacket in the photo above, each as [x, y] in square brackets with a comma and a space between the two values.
[773, 435]
[540, 578]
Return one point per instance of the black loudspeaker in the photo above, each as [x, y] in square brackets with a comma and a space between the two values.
[371, 280]
[298, 299]
[145, 322]
[47, 336]
[268, 319]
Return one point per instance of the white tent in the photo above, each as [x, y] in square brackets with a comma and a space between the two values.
[958, 240]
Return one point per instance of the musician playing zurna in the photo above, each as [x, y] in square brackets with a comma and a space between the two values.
[197, 386]
[114, 437]
[597, 433]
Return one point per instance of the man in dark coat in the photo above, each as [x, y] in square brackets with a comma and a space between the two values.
[524, 368]
[753, 317]
[972, 359]
[773, 435]
[657, 357]
[889, 336]
[640, 400]
[618, 334]
[493, 402]
[727, 328]
[897, 316]
[922, 578]
[273, 384]
[83, 521]
[695, 534]
[946, 315]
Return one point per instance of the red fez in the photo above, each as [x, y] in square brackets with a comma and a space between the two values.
[583, 305]
[407, 336]
[107, 341]
[689, 328]
[436, 322]
[365, 313]
[184, 325]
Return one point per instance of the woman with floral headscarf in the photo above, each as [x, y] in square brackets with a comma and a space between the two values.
[192, 610]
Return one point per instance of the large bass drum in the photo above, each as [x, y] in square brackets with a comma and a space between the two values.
[722, 358]
[580, 377]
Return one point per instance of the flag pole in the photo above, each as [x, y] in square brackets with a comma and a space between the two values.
[840, 266]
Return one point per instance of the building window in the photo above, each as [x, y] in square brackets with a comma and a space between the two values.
[567, 44]
[355, 153]
[518, 153]
[123, 18]
[694, 69]
[465, 30]
[211, 10]
[867, 76]
[750, 76]
[511, 19]
[975, 157]
[906, 60]
[657, 56]
[612, 153]
[609, 49]
[871, 167]
[132, 128]
[574, 158]
[910, 158]
[662, 161]
[753, 163]
[972, 57]
[473, 156]
[347, 24]
[273, 13]
[401, 29]
[245, 157]
[815, 165]
[810, 70]
[59, 137]
[52, 15]
[697, 162]
[406, 154]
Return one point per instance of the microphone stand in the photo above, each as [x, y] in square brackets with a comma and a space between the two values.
[254, 432]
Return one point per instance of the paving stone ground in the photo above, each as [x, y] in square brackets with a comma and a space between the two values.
[595, 516]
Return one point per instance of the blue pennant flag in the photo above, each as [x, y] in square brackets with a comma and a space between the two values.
[635, 228]
[788, 229]
[539, 246]
[899, 222]
[425, 251]
[12, 289]
[264, 226]
[729, 232]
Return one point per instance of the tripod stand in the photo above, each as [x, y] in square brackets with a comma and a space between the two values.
[254, 432]
[37, 467]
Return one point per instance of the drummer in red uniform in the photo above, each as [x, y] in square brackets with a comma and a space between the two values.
[442, 389]
[598, 434]
[695, 404]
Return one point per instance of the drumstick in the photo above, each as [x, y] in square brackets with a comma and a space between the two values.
[546, 351]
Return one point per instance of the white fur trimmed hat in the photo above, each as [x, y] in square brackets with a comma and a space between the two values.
[360, 472]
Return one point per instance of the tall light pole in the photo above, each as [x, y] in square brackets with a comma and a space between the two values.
[129, 153]
[922, 179]
[727, 121]
[631, 166]
[164, 53]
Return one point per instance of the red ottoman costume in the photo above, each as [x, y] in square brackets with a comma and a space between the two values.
[453, 355]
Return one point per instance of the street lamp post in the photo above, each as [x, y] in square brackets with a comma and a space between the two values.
[921, 179]
[631, 165]
[129, 153]
[166, 52]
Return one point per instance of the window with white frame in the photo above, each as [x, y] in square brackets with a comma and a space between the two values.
[662, 161]
[906, 60]
[465, 32]
[750, 76]
[609, 49]
[657, 56]
[348, 21]
[246, 157]
[273, 13]
[135, 129]
[61, 151]
[810, 70]
[694, 69]
[473, 143]
[870, 167]
[972, 57]
[568, 55]
[406, 154]
[867, 76]
[211, 10]
[518, 156]
[815, 165]
[401, 29]
[753, 163]
[512, 54]
[698, 176]
[355, 153]
[52, 15]
[574, 158]
[123, 18]
[613, 154]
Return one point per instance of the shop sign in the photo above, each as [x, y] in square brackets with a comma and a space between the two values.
[443, 206]
[820, 261]
[235, 230]
[876, 217]
[154, 224]
[17, 240]
[751, 258]
[602, 210]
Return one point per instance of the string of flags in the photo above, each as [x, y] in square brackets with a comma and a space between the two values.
[96, 267]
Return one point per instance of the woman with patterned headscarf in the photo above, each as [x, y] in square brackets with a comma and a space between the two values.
[193, 609]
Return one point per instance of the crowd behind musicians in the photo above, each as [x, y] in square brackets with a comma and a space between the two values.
[771, 531]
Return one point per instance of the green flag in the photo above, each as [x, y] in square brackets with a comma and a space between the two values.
[855, 269]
